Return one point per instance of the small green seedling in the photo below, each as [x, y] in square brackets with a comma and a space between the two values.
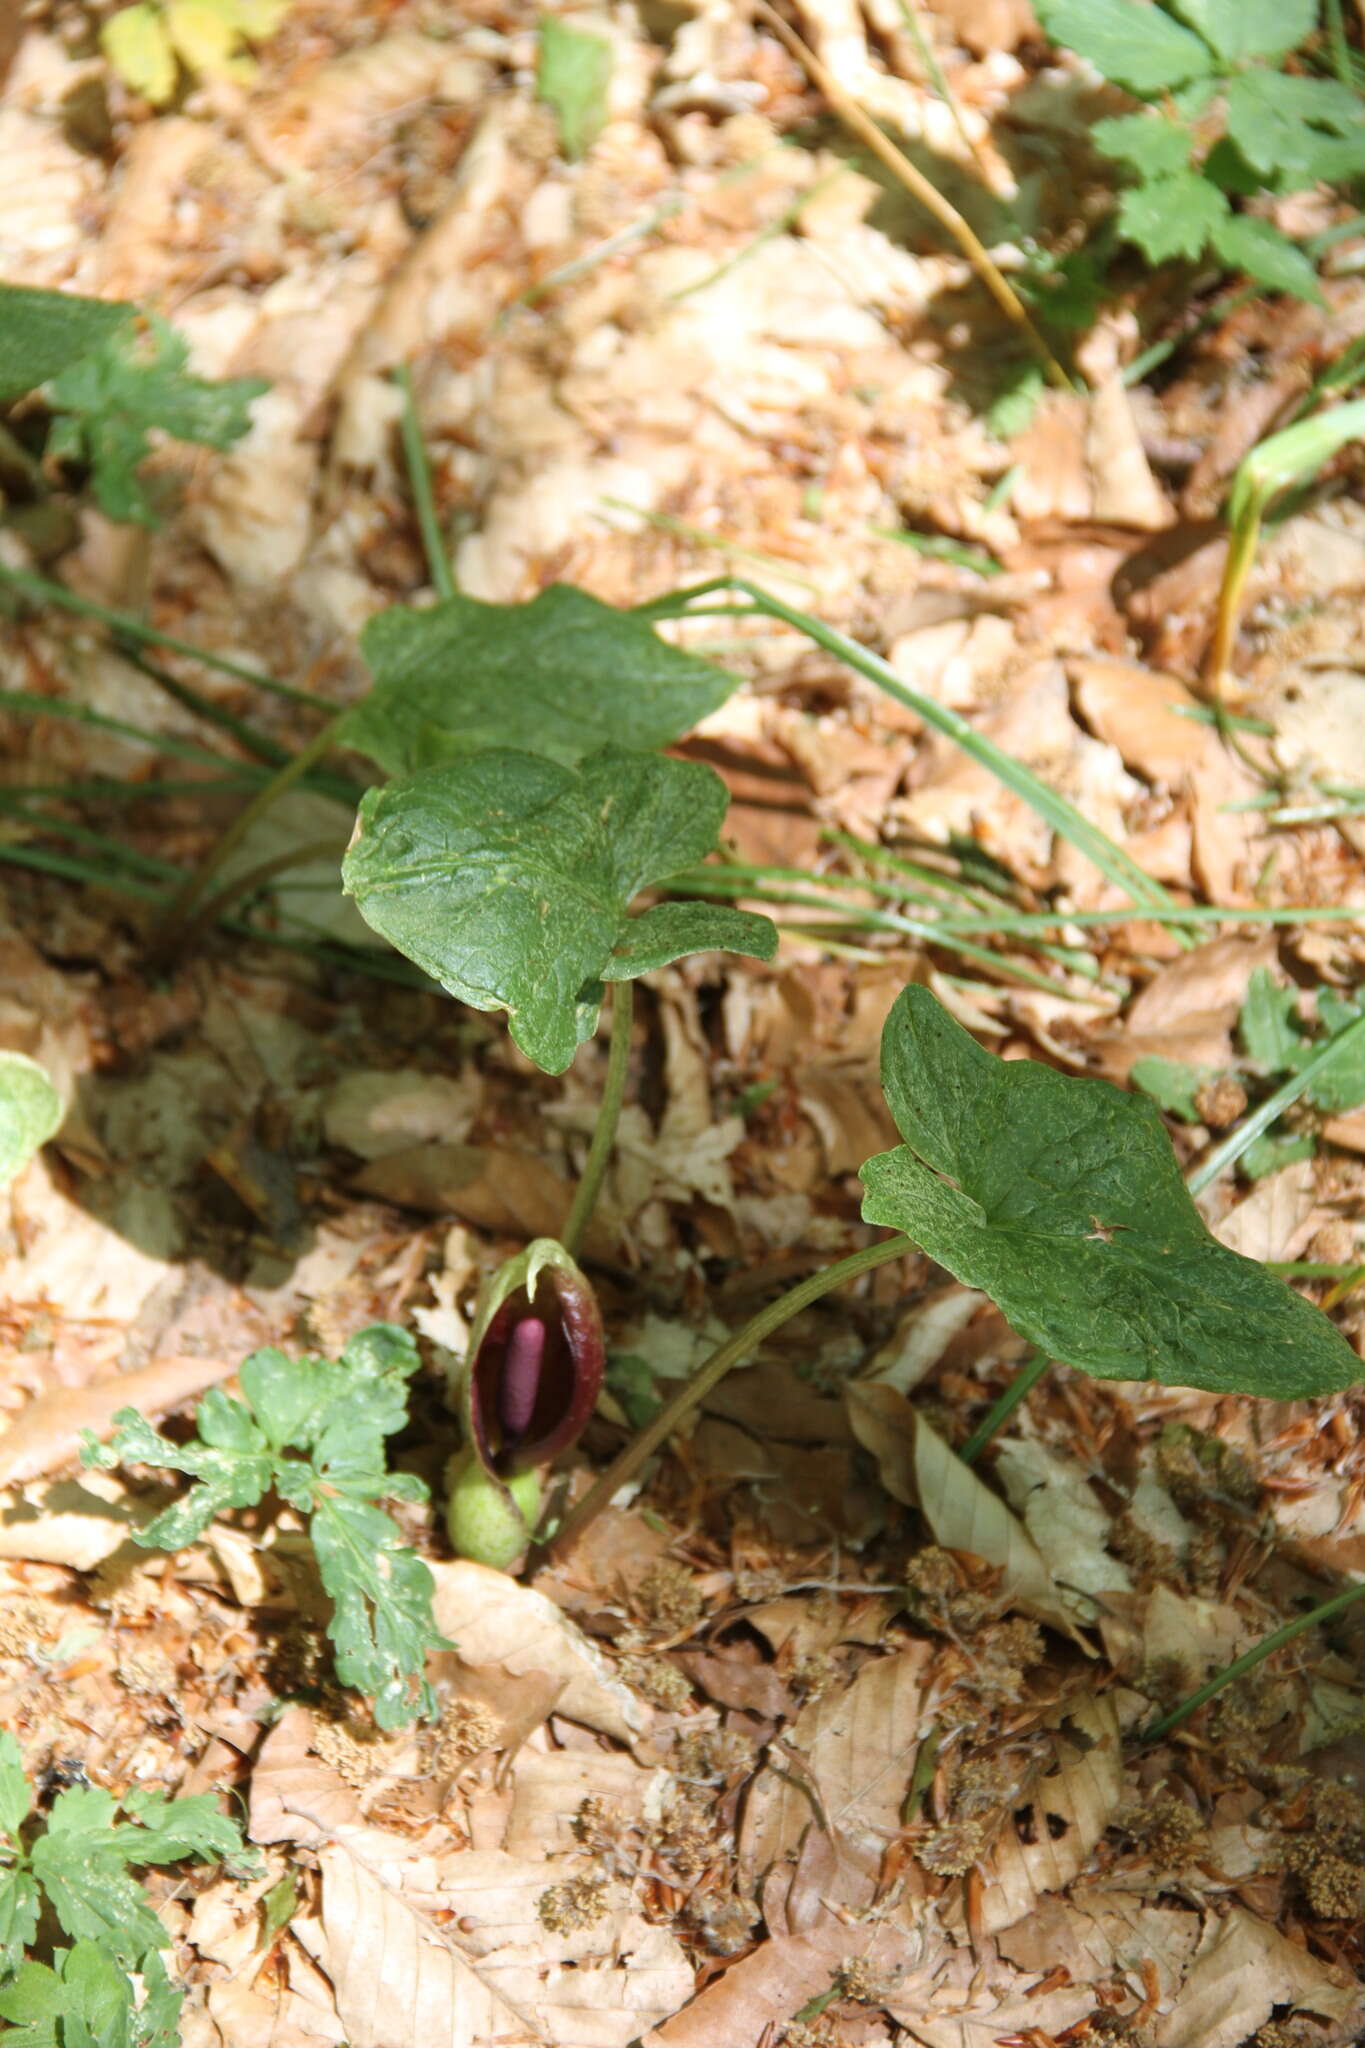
[78, 1866]
[30, 1111]
[110, 379]
[152, 46]
[1225, 122]
[573, 75]
[312, 1431]
[1285, 459]
[1279, 1047]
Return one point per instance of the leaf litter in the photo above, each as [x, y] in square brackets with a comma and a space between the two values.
[717, 1782]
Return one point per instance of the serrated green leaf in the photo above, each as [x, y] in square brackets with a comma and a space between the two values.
[670, 931]
[16, 1795]
[1342, 1087]
[1128, 42]
[1011, 411]
[1252, 245]
[1268, 1028]
[562, 676]
[1250, 28]
[137, 45]
[1149, 142]
[1172, 216]
[82, 1869]
[98, 2007]
[207, 35]
[1268, 1153]
[169, 1830]
[1059, 1196]
[157, 2020]
[381, 1627]
[19, 1910]
[32, 2006]
[132, 385]
[1172, 1084]
[507, 878]
[573, 75]
[30, 1112]
[288, 1395]
[1274, 119]
[227, 1478]
[42, 332]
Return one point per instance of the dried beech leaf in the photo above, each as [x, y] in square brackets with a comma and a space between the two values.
[858, 1747]
[964, 1514]
[295, 1797]
[398, 1983]
[48, 1431]
[493, 1620]
[752, 1999]
[1064, 1811]
[1245, 1971]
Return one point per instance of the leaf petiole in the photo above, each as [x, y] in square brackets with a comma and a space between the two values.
[608, 1116]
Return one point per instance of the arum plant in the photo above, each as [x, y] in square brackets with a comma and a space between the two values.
[529, 1385]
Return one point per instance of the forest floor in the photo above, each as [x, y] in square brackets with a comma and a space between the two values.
[788, 1749]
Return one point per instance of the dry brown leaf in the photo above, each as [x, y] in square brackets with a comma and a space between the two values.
[1064, 1810]
[964, 1514]
[1125, 493]
[295, 1797]
[961, 2005]
[1270, 1223]
[398, 1983]
[751, 2000]
[374, 1112]
[73, 1522]
[856, 1753]
[549, 1786]
[593, 1985]
[248, 2018]
[1246, 1969]
[48, 1431]
[1139, 711]
[493, 1620]
[923, 1335]
[1188, 1010]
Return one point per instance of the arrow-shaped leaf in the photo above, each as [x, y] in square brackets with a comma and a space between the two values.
[560, 676]
[507, 878]
[1060, 1197]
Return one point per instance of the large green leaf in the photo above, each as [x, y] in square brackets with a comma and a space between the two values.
[560, 676]
[1250, 28]
[41, 332]
[1172, 216]
[1127, 41]
[1060, 1197]
[507, 878]
[573, 75]
[30, 1111]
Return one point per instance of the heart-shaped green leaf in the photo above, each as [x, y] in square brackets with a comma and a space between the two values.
[507, 877]
[560, 676]
[30, 1111]
[1060, 1197]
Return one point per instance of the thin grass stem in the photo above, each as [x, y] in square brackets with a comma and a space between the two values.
[1325, 1611]
[419, 483]
[608, 1116]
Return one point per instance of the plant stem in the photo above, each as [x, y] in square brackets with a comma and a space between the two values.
[1261, 1118]
[42, 591]
[608, 1116]
[1004, 1405]
[1062, 816]
[211, 912]
[419, 482]
[1250, 1659]
[182, 904]
[708, 1375]
[929, 197]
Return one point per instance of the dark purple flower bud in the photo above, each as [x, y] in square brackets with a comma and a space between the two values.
[535, 1361]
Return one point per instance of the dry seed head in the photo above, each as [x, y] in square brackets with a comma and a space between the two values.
[669, 1597]
[659, 1679]
[467, 1729]
[580, 1902]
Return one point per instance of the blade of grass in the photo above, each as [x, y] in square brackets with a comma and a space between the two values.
[1326, 1610]
[940, 548]
[28, 704]
[1063, 817]
[419, 482]
[699, 537]
[41, 591]
[1246, 1133]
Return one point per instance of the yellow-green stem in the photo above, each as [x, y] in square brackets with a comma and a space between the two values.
[714, 1370]
[608, 1116]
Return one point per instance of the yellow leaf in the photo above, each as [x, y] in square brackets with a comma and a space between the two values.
[136, 44]
[260, 18]
[204, 35]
